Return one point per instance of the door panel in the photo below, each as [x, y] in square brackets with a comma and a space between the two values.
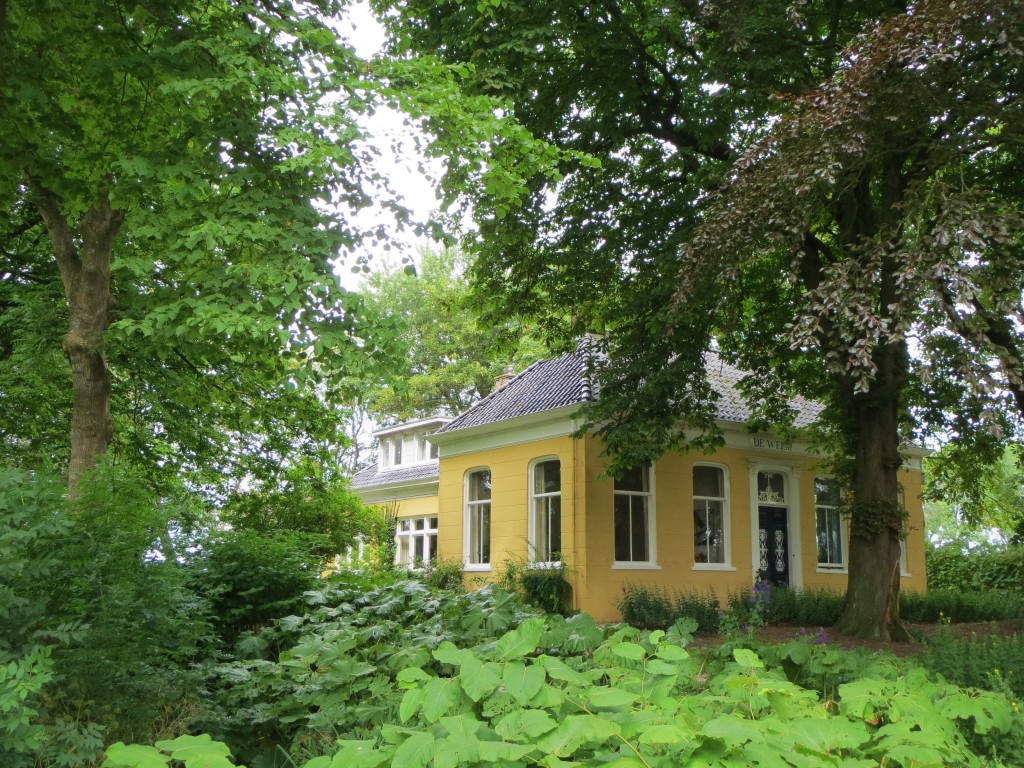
[773, 545]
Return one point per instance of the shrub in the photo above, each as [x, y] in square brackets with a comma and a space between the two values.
[702, 607]
[808, 607]
[446, 574]
[646, 607]
[251, 578]
[546, 587]
[951, 567]
[976, 661]
[960, 606]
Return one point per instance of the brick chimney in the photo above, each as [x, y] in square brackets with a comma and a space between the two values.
[501, 381]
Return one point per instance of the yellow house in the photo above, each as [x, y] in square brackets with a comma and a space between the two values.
[508, 479]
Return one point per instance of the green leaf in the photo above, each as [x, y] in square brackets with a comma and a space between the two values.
[611, 698]
[360, 754]
[198, 751]
[411, 675]
[575, 731]
[629, 651]
[500, 752]
[521, 641]
[523, 682]
[524, 724]
[447, 653]
[461, 725]
[664, 734]
[454, 750]
[826, 736]
[479, 679]
[734, 731]
[415, 752]
[747, 658]
[121, 755]
[411, 702]
[439, 696]
[672, 653]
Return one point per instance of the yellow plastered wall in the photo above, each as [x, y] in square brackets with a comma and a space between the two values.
[587, 520]
[600, 582]
[421, 506]
[510, 488]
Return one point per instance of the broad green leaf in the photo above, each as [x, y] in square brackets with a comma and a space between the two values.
[559, 670]
[672, 653]
[611, 698]
[499, 751]
[121, 755]
[439, 696]
[825, 736]
[664, 734]
[361, 754]
[523, 682]
[575, 731]
[747, 658]
[522, 640]
[734, 731]
[461, 725]
[659, 667]
[415, 752]
[478, 678]
[411, 702]
[411, 675]
[524, 724]
[628, 650]
[447, 653]
[454, 750]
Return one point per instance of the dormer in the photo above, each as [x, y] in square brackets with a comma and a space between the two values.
[408, 444]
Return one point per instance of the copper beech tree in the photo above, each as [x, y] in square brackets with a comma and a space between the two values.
[828, 192]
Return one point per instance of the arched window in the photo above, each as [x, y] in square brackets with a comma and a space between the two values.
[478, 517]
[710, 516]
[546, 511]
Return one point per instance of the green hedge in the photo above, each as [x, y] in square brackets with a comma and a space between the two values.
[949, 567]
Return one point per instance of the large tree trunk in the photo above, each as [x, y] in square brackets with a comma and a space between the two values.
[83, 258]
[877, 518]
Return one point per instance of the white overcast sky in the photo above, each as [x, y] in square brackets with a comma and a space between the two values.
[367, 38]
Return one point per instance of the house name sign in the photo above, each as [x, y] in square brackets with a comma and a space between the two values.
[770, 444]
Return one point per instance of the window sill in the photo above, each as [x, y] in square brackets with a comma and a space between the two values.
[630, 566]
[476, 567]
[713, 567]
[841, 569]
[545, 565]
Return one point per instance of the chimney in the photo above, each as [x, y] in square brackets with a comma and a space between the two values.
[501, 381]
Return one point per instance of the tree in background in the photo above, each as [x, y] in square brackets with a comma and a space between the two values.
[192, 165]
[804, 206]
[450, 357]
[311, 501]
[989, 510]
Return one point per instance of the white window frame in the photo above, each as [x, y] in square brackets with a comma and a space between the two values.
[417, 542]
[844, 533]
[470, 507]
[726, 564]
[535, 496]
[651, 563]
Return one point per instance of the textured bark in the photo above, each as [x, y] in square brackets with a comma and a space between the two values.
[83, 258]
[872, 600]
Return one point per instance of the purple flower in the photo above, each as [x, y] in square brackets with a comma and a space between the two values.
[822, 637]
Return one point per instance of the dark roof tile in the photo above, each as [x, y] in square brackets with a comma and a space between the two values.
[371, 476]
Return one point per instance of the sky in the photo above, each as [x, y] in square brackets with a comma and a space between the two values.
[367, 38]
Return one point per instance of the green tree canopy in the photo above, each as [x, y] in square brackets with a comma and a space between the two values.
[804, 196]
[193, 166]
[451, 356]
